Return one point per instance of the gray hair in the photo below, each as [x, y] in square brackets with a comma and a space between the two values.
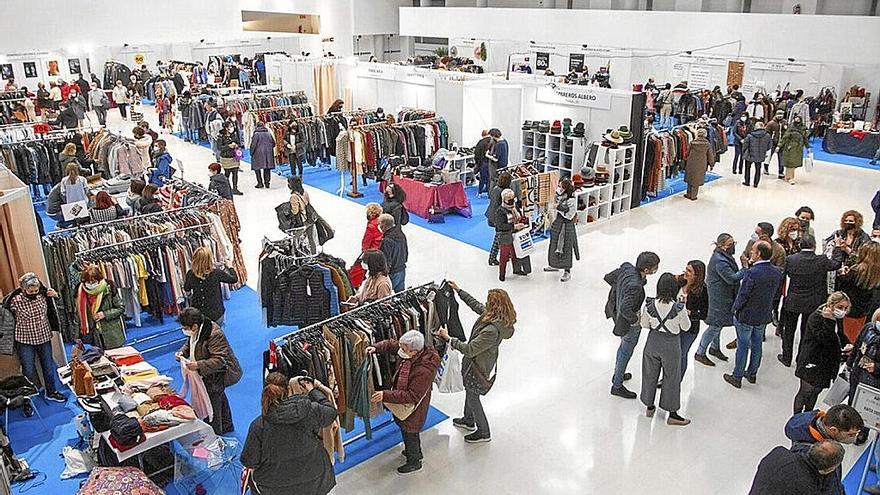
[386, 221]
[413, 339]
[29, 279]
[507, 194]
[826, 455]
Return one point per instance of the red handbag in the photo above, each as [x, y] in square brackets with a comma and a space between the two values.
[357, 273]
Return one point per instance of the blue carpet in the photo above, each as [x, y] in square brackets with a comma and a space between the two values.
[852, 161]
[42, 446]
[676, 185]
[852, 478]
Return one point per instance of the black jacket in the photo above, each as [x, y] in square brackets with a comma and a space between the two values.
[394, 208]
[223, 142]
[205, 294]
[863, 300]
[504, 226]
[697, 305]
[146, 206]
[67, 118]
[783, 472]
[625, 298]
[396, 251]
[494, 203]
[480, 151]
[808, 275]
[818, 359]
[220, 185]
[284, 450]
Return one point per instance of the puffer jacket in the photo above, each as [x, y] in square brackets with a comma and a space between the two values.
[214, 355]
[486, 337]
[756, 145]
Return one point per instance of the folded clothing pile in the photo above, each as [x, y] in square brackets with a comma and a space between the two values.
[124, 356]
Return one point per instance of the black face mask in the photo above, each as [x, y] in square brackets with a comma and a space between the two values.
[731, 250]
[805, 224]
[32, 297]
[849, 226]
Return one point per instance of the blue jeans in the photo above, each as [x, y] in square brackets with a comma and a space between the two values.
[398, 281]
[749, 341]
[687, 340]
[28, 354]
[711, 335]
[628, 344]
[484, 180]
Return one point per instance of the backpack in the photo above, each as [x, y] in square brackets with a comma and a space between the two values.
[651, 308]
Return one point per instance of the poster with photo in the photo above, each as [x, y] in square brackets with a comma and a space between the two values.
[53, 68]
[73, 64]
[30, 70]
[6, 71]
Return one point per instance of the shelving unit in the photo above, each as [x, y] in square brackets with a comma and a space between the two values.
[603, 202]
[553, 151]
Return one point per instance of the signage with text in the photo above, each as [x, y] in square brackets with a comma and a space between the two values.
[866, 400]
[778, 66]
[576, 62]
[574, 95]
[542, 61]
[376, 71]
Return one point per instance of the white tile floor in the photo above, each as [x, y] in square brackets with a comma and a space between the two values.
[555, 427]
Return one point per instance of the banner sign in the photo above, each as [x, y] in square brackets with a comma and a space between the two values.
[703, 60]
[542, 61]
[778, 66]
[567, 94]
[376, 71]
[866, 400]
[424, 77]
[700, 77]
[576, 62]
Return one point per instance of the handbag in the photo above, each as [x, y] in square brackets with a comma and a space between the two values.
[838, 391]
[403, 411]
[238, 154]
[435, 215]
[523, 245]
[475, 378]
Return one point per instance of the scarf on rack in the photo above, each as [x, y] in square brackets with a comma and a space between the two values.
[88, 302]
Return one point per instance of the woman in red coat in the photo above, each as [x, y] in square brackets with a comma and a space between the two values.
[411, 385]
[372, 240]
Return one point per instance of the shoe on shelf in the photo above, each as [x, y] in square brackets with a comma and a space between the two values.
[782, 360]
[565, 277]
[752, 379]
[676, 420]
[464, 425]
[56, 396]
[716, 353]
[623, 392]
[627, 376]
[736, 382]
[477, 437]
[550, 269]
[649, 411]
[702, 359]
[409, 468]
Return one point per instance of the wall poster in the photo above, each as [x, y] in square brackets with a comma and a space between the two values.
[6, 71]
[53, 68]
[30, 70]
[73, 64]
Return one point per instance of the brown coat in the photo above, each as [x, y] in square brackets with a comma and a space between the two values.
[700, 157]
[214, 354]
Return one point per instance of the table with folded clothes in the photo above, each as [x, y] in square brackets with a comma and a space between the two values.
[851, 142]
[130, 405]
[422, 197]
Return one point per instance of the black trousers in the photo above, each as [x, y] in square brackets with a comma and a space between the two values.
[748, 173]
[806, 397]
[296, 164]
[789, 321]
[234, 173]
[221, 422]
[123, 109]
[473, 412]
[412, 445]
[263, 176]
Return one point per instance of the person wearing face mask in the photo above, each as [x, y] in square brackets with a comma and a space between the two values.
[415, 371]
[861, 283]
[701, 156]
[850, 237]
[99, 103]
[806, 216]
[752, 312]
[723, 276]
[28, 316]
[99, 310]
[776, 128]
[228, 143]
[755, 148]
[77, 103]
[563, 236]
[624, 306]
[792, 146]
[741, 129]
[210, 354]
[507, 221]
[120, 96]
[818, 359]
[394, 197]
[377, 284]
[788, 235]
[503, 182]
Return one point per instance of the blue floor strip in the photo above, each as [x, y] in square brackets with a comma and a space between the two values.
[852, 478]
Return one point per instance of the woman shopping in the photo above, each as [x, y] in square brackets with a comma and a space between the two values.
[202, 284]
[861, 284]
[495, 324]
[229, 145]
[818, 359]
[262, 155]
[503, 182]
[563, 236]
[507, 221]
[296, 147]
[393, 204]
[99, 310]
[792, 146]
[377, 284]
[106, 208]
[864, 359]
[208, 352]
[695, 296]
[372, 239]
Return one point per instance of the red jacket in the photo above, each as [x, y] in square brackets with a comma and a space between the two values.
[372, 236]
[65, 91]
[422, 371]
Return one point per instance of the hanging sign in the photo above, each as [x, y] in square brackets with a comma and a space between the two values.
[702, 60]
[542, 61]
[582, 96]
[700, 77]
[376, 71]
[411, 75]
[866, 400]
[139, 58]
[679, 69]
[785, 66]
[576, 62]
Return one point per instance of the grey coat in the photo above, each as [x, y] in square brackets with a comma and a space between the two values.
[563, 229]
[262, 149]
[756, 145]
[722, 280]
[494, 203]
[79, 106]
[486, 337]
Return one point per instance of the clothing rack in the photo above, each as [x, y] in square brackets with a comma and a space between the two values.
[81, 254]
[60, 232]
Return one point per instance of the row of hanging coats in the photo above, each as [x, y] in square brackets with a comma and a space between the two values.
[318, 134]
[366, 148]
[666, 153]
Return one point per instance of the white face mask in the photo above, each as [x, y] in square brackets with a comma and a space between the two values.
[755, 237]
[365, 267]
[793, 235]
[402, 354]
[188, 332]
[560, 191]
[744, 119]
[91, 285]
[875, 239]
[838, 313]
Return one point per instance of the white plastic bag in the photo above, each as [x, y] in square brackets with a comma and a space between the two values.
[76, 462]
[808, 162]
[448, 378]
[838, 391]
[522, 243]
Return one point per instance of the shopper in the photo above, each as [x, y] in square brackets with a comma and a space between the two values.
[213, 126]
[416, 368]
[218, 183]
[807, 274]
[148, 203]
[202, 284]
[143, 143]
[863, 361]
[563, 235]
[68, 156]
[28, 313]
[494, 324]
[162, 170]
[377, 284]
[229, 143]
[852, 234]
[507, 221]
[623, 306]
[764, 233]
[99, 103]
[482, 148]
[134, 194]
[818, 359]
[809, 471]
[792, 146]
[66, 117]
[77, 103]
[666, 100]
[498, 159]
[396, 250]
[209, 353]
[372, 238]
[74, 187]
[788, 235]
[503, 182]
[841, 423]
[296, 147]
[754, 149]
[99, 310]
[282, 449]
[336, 107]
[805, 216]
[701, 156]
[393, 204]
[262, 155]
[694, 294]
[723, 276]
[741, 129]
[861, 283]
[665, 319]
[776, 128]
[105, 208]
[753, 311]
[120, 96]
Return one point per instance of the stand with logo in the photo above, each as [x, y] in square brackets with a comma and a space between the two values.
[866, 401]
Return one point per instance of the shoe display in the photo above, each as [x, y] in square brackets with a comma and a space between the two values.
[702, 359]
[736, 382]
[623, 392]
[409, 468]
[464, 425]
[477, 438]
[716, 353]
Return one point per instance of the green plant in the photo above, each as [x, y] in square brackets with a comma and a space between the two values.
[441, 51]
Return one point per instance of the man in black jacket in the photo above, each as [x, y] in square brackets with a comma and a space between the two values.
[807, 290]
[806, 472]
[66, 118]
[482, 162]
[396, 251]
[624, 304]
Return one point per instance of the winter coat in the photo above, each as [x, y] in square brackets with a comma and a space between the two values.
[78, 105]
[818, 358]
[143, 145]
[783, 472]
[867, 345]
[495, 202]
[417, 390]
[224, 139]
[723, 278]
[146, 206]
[284, 451]
[54, 200]
[396, 250]
[625, 298]
[701, 156]
[162, 170]
[740, 131]
[875, 205]
[776, 128]
[112, 328]
[756, 145]
[486, 337]
[216, 360]
[262, 149]
[754, 300]
[397, 210]
[480, 150]
[863, 300]
[808, 279]
[220, 185]
[205, 294]
[98, 98]
[792, 145]
[372, 236]
[67, 118]
[563, 229]
[7, 319]
[504, 226]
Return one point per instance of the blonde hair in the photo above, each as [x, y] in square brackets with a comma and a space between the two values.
[868, 266]
[373, 210]
[202, 262]
[69, 149]
[788, 225]
[499, 308]
[72, 172]
[834, 298]
[876, 316]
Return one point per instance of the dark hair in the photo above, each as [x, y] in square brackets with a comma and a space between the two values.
[504, 180]
[699, 274]
[764, 250]
[825, 455]
[667, 86]
[149, 191]
[376, 262]
[667, 288]
[397, 192]
[138, 131]
[190, 316]
[103, 200]
[807, 242]
[137, 186]
[495, 133]
[295, 184]
[766, 228]
[843, 417]
[804, 209]
[160, 142]
[276, 378]
[214, 167]
[271, 395]
[647, 260]
[735, 87]
[567, 186]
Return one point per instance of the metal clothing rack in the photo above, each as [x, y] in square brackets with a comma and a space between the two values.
[138, 218]
[82, 253]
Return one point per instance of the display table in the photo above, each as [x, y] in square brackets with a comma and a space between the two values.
[848, 144]
[421, 197]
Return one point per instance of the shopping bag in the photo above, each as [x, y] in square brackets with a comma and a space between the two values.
[838, 391]
[448, 378]
[522, 243]
[77, 209]
[523, 265]
[808, 162]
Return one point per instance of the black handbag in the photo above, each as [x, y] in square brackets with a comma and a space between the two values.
[475, 378]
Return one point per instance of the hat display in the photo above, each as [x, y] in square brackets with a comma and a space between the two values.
[527, 125]
[613, 137]
[556, 128]
[577, 181]
[578, 130]
[624, 132]
[566, 127]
